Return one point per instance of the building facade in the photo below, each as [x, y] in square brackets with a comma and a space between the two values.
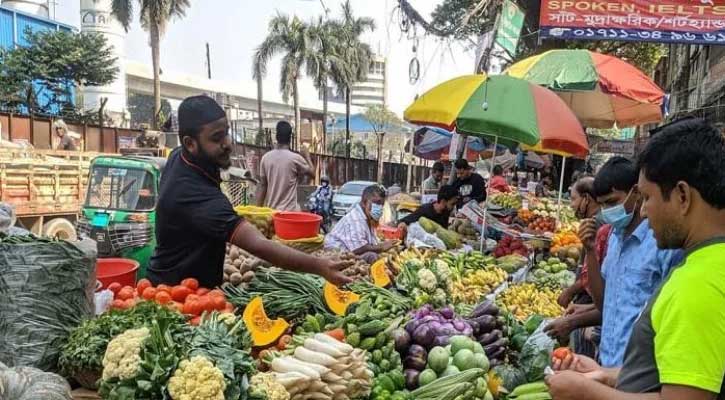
[373, 91]
[694, 78]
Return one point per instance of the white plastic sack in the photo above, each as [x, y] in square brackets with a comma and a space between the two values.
[416, 234]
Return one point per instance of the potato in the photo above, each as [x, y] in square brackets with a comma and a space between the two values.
[238, 262]
[248, 276]
[226, 277]
[230, 269]
[235, 278]
[234, 253]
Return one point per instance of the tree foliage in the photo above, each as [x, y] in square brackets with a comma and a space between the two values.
[381, 119]
[141, 108]
[41, 76]
[467, 19]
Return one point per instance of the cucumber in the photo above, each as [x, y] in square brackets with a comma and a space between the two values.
[535, 387]
[372, 328]
[353, 339]
[535, 396]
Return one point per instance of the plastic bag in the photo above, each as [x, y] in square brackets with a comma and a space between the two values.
[536, 353]
[416, 234]
[46, 289]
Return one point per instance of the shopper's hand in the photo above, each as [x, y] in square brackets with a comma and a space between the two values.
[388, 244]
[578, 308]
[560, 328]
[332, 271]
[565, 298]
[567, 385]
[576, 363]
[588, 233]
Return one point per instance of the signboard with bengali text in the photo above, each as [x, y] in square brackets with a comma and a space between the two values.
[667, 21]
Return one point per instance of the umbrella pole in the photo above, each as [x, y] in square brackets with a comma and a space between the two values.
[485, 207]
[410, 162]
[561, 189]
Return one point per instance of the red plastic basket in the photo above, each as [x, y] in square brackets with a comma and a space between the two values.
[121, 270]
[290, 225]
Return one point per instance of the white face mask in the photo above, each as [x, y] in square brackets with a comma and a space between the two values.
[376, 211]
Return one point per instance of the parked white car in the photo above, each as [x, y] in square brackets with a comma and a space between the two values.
[347, 196]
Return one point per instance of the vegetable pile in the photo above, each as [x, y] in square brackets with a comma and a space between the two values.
[426, 283]
[526, 299]
[239, 266]
[552, 274]
[474, 285]
[187, 297]
[509, 245]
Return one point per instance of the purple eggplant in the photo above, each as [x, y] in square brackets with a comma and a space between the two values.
[459, 324]
[486, 308]
[486, 323]
[442, 340]
[411, 379]
[402, 340]
[499, 354]
[418, 351]
[414, 362]
[489, 338]
[493, 347]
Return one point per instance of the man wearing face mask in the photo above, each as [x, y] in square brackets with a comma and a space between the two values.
[195, 220]
[633, 267]
[582, 318]
[355, 232]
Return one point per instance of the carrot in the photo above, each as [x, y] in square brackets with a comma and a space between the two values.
[338, 334]
[283, 342]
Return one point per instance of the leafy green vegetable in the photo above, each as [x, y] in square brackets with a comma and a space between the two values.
[87, 343]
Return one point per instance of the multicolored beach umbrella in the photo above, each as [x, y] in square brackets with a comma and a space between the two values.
[514, 110]
[602, 91]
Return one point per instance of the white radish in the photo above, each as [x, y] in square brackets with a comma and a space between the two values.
[320, 369]
[307, 355]
[289, 379]
[290, 364]
[332, 377]
[344, 347]
[347, 375]
[322, 347]
[319, 396]
[338, 388]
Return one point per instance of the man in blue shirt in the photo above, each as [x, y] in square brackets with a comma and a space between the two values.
[633, 267]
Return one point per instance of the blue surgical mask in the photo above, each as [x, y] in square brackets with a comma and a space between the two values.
[617, 216]
[376, 211]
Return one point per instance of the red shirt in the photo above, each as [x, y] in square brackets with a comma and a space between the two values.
[600, 246]
[498, 183]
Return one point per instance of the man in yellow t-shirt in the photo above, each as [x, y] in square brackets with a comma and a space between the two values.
[677, 347]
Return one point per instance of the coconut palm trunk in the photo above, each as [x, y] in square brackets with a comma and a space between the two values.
[298, 117]
[155, 37]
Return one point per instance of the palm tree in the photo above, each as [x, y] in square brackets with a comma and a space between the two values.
[356, 55]
[327, 36]
[154, 15]
[294, 39]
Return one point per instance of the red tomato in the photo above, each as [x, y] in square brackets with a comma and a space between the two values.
[192, 307]
[217, 293]
[126, 293]
[202, 291]
[149, 293]
[192, 297]
[562, 353]
[191, 283]
[206, 304]
[163, 288]
[229, 307]
[195, 321]
[118, 304]
[142, 285]
[115, 287]
[218, 303]
[130, 303]
[162, 297]
[180, 293]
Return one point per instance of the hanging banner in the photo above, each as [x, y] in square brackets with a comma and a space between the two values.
[665, 21]
[509, 30]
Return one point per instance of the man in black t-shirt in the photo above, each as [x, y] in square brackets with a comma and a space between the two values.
[438, 211]
[195, 220]
[470, 185]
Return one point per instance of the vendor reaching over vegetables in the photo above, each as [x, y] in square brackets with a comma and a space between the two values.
[355, 232]
[194, 219]
[438, 212]
[677, 347]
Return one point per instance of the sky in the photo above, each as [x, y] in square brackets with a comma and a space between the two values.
[233, 29]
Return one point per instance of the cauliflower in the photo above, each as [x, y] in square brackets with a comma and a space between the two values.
[123, 354]
[264, 386]
[427, 280]
[197, 379]
[444, 273]
[229, 319]
[440, 296]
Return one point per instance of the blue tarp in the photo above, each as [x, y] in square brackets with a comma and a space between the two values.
[358, 124]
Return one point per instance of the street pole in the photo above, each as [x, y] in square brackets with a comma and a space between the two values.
[208, 61]
[410, 163]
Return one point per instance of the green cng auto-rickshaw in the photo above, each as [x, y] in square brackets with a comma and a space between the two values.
[119, 212]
